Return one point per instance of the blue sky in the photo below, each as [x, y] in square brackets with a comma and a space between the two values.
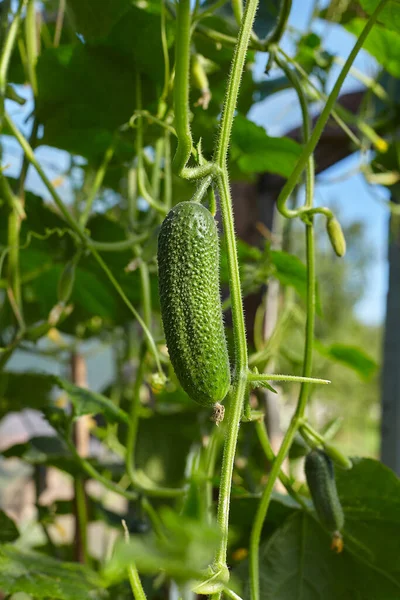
[356, 199]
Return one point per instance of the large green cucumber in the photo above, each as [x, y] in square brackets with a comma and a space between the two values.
[188, 270]
[320, 477]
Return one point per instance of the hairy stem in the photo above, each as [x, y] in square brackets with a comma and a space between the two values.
[240, 367]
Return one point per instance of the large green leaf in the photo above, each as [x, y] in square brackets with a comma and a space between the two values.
[46, 245]
[382, 44]
[8, 529]
[297, 561]
[370, 496]
[353, 357]
[87, 402]
[243, 509]
[43, 577]
[94, 19]
[256, 152]
[34, 390]
[389, 15]
[45, 450]
[85, 94]
[24, 390]
[268, 87]
[163, 444]
[137, 38]
[290, 270]
[182, 553]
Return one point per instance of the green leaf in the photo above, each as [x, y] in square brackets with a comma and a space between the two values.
[267, 16]
[256, 152]
[265, 89]
[43, 450]
[353, 357]
[137, 39]
[244, 508]
[33, 390]
[51, 451]
[182, 553]
[257, 383]
[94, 20]
[24, 390]
[86, 402]
[370, 496]
[43, 577]
[290, 270]
[163, 444]
[85, 94]
[382, 44]
[389, 15]
[297, 561]
[8, 529]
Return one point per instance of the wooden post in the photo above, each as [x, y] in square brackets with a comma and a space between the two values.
[82, 440]
[390, 423]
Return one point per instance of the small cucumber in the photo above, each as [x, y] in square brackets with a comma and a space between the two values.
[320, 477]
[336, 236]
[188, 269]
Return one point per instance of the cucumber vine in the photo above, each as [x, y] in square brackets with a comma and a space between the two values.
[211, 178]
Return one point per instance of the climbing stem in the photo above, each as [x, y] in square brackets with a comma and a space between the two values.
[232, 431]
[140, 371]
[263, 438]
[134, 416]
[82, 516]
[13, 273]
[240, 367]
[31, 44]
[146, 487]
[135, 583]
[310, 170]
[141, 173]
[167, 196]
[94, 474]
[164, 43]
[15, 215]
[258, 522]
[237, 7]
[309, 333]
[26, 147]
[156, 171]
[181, 85]
[308, 346]
[276, 34]
[133, 575]
[235, 76]
[97, 182]
[8, 48]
